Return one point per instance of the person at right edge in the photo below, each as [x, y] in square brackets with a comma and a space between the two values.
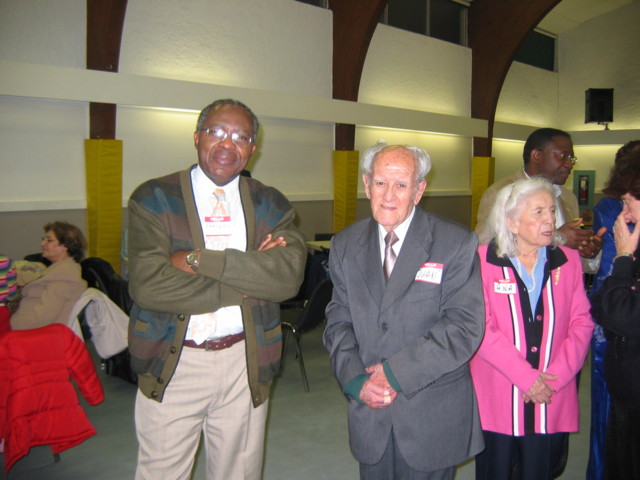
[604, 215]
[616, 306]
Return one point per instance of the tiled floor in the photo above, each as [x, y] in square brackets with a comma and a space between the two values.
[306, 435]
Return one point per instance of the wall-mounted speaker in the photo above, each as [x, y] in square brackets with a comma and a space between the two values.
[598, 105]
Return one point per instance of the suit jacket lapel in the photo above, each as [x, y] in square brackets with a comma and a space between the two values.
[193, 220]
[414, 252]
[368, 259]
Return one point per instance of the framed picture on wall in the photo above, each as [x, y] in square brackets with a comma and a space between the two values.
[583, 184]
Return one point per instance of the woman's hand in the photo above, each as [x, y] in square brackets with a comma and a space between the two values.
[540, 391]
[626, 242]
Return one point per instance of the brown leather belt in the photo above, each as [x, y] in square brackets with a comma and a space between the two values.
[217, 344]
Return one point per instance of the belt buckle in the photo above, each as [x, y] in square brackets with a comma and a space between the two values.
[209, 341]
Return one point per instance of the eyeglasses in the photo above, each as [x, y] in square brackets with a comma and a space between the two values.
[566, 158]
[220, 135]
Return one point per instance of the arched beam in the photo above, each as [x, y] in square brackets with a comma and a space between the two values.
[105, 21]
[354, 22]
[496, 32]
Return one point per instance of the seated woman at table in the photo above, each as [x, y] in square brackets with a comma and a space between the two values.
[50, 298]
[538, 329]
[616, 306]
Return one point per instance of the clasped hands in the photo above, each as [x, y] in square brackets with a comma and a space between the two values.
[179, 259]
[377, 392]
[540, 391]
[587, 244]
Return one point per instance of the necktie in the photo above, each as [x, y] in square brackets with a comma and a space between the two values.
[389, 255]
[218, 225]
[221, 207]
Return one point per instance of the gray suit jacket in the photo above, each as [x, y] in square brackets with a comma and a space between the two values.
[426, 331]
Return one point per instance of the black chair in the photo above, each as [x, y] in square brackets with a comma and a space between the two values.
[298, 321]
[37, 257]
[323, 236]
[316, 269]
[98, 273]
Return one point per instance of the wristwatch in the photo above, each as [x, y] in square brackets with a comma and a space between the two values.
[193, 260]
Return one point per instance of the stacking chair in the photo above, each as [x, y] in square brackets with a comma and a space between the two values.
[295, 322]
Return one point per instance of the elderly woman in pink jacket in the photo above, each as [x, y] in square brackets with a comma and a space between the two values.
[538, 329]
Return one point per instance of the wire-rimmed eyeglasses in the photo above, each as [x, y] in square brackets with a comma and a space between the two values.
[220, 135]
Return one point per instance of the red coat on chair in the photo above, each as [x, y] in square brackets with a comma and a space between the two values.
[38, 404]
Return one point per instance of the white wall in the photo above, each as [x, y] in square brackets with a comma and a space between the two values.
[600, 53]
[44, 31]
[529, 96]
[408, 70]
[450, 156]
[283, 47]
[275, 46]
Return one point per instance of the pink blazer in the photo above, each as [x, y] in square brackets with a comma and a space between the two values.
[500, 371]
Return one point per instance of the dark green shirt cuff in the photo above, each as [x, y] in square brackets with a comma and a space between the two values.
[354, 387]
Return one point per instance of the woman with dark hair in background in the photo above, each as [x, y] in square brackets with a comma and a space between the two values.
[616, 306]
[50, 298]
[605, 213]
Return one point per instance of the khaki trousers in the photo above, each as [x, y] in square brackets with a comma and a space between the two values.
[208, 393]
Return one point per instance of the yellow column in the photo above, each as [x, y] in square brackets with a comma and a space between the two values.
[482, 174]
[103, 162]
[345, 188]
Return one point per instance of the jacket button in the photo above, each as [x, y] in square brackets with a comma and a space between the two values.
[154, 394]
[385, 326]
[160, 381]
[539, 317]
[172, 349]
[534, 349]
[181, 317]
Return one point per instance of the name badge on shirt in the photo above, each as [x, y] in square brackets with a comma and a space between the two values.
[217, 230]
[430, 272]
[505, 286]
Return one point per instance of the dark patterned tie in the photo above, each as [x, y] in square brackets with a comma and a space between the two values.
[389, 255]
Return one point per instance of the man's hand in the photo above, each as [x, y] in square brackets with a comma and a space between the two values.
[377, 392]
[577, 238]
[540, 391]
[270, 242]
[594, 245]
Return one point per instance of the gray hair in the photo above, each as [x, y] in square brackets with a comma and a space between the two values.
[421, 157]
[227, 101]
[510, 203]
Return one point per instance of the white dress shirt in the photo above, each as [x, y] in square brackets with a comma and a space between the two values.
[227, 320]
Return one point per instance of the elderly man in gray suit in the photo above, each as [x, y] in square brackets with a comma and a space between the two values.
[406, 316]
